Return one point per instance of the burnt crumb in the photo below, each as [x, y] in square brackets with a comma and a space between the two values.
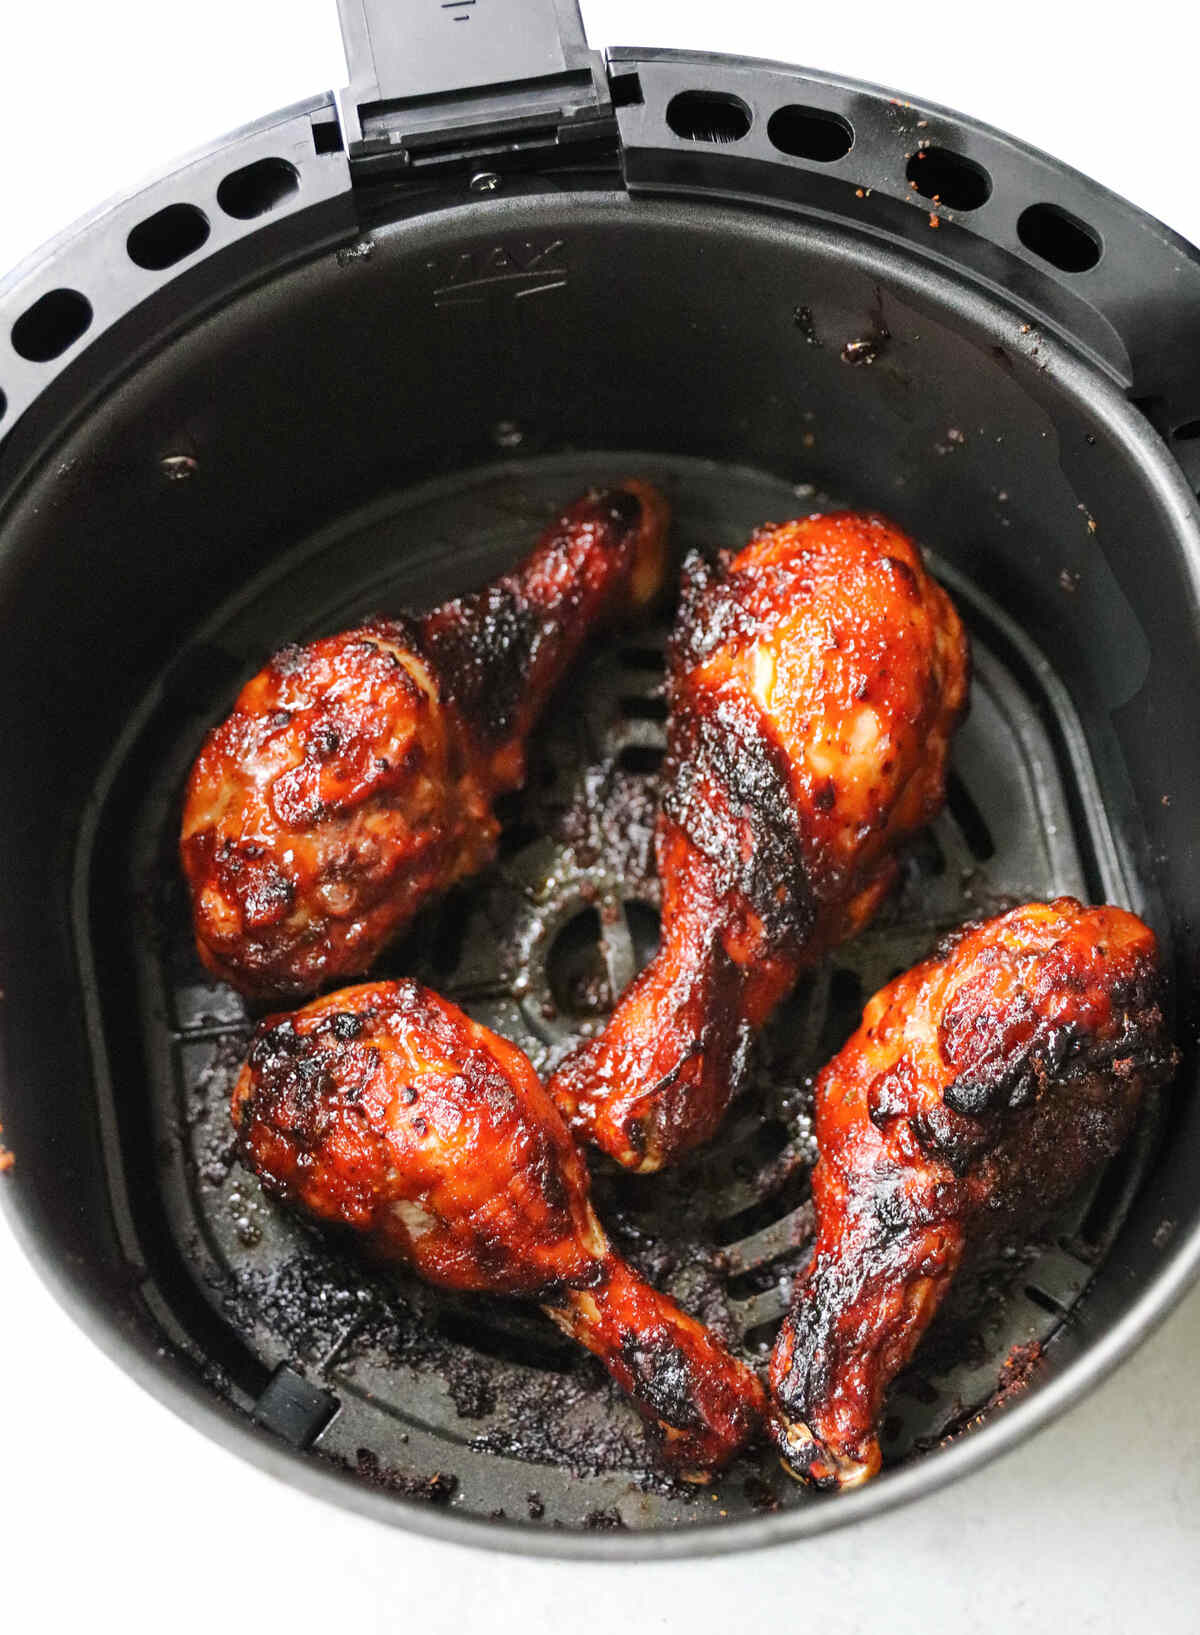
[438, 1489]
[577, 1419]
[535, 1506]
[759, 1494]
[608, 1520]
[1015, 1374]
[802, 317]
[472, 1391]
[317, 1303]
[1018, 1369]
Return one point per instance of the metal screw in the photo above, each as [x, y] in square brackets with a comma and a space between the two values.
[175, 467]
[485, 181]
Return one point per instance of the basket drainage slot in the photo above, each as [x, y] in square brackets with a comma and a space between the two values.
[641, 758]
[966, 813]
[790, 1195]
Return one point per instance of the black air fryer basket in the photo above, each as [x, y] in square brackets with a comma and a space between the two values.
[353, 357]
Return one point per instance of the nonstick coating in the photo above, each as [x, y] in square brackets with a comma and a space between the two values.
[391, 426]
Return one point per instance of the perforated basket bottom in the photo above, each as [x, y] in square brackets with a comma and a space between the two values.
[479, 1404]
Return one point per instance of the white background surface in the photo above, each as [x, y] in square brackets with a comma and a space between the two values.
[112, 1512]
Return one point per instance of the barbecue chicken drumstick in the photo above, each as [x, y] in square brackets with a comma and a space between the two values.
[356, 775]
[814, 683]
[980, 1090]
[383, 1108]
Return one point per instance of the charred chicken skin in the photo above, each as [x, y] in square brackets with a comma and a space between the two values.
[355, 777]
[814, 683]
[980, 1090]
[384, 1109]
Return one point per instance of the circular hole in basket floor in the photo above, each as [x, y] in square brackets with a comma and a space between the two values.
[576, 967]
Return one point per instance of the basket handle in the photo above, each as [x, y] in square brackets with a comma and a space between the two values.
[425, 71]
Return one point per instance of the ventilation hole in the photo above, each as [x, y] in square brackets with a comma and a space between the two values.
[762, 1336]
[642, 658]
[626, 90]
[950, 178]
[758, 1279]
[51, 325]
[327, 137]
[928, 856]
[1188, 432]
[845, 991]
[257, 188]
[810, 133]
[167, 236]
[1059, 238]
[3, 405]
[642, 758]
[517, 836]
[623, 1193]
[790, 1195]
[1046, 1301]
[769, 1140]
[969, 819]
[644, 927]
[445, 946]
[575, 965]
[503, 1345]
[637, 708]
[575, 968]
[844, 1010]
[708, 116]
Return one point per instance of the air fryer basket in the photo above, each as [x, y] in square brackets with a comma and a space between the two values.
[366, 384]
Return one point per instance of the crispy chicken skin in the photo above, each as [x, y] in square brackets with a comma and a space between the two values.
[814, 684]
[356, 775]
[384, 1109]
[979, 1091]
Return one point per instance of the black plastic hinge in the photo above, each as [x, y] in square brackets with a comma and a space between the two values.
[469, 85]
